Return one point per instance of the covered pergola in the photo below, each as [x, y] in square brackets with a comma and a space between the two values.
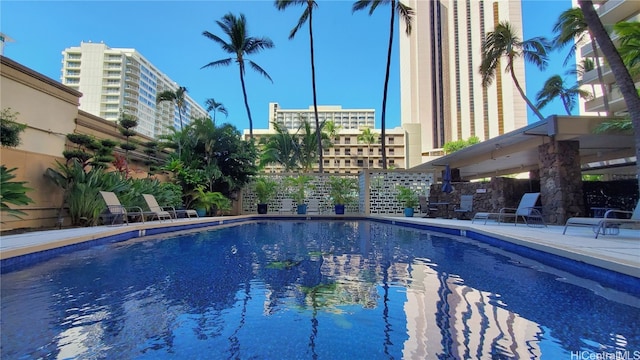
[517, 151]
[558, 150]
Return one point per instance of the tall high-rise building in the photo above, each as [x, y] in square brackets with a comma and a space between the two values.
[345, 118]
[114, 80]
[440, 82]
[610, 13]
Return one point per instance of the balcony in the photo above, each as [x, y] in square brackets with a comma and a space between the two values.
[128, 95]
[616, 102]
[591, 77]
[613, 11]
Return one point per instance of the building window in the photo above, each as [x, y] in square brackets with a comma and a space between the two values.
[337, 151]
[347, 162]
[326, 162]
[391, 151]
[371, 163]
[347, 140]
[360, 163]
[390, 141]
[347, 151]
[360, 151]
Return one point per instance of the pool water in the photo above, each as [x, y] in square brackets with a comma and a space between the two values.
[309, 290]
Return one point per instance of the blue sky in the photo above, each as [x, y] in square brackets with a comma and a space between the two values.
[350, 49]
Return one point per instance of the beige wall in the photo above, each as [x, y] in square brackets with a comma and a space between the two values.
[50, 111]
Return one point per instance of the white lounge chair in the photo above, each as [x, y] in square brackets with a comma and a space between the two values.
[609, 224]
[466, 205]
[117, 212]
[286, 206]
[153, 205]
[526, 210]
[156, 211]
[313, 206]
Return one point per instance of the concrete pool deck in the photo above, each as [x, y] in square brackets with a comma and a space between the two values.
[619, 253]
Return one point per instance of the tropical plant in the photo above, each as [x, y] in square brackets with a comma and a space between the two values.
[571, 28]
[366, 136]
[265, 189]
[210, 201]
[407, 196]
[240, 45]
[629, 48]
[10, 129]
[453, 146]
[213, 105]
[342, 189]
[299, 185]
[176, 97]
[81, 190]
[127, 123]
[12, 192]
[331, 130]
[623, 77]
[308, 149]
[280, 148]
[503, 41]
[555, 87]
[406, 13]
[307, 14]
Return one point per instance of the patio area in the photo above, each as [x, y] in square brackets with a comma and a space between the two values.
[619, 253]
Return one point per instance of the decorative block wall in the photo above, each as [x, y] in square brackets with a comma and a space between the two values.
[377, 191]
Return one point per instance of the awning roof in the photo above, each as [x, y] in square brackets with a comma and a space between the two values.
[517, 151]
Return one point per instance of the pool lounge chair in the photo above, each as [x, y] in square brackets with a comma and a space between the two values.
[609, 224]
[466, 205]
[117, 212]
[153, 205]
[313, 206]
[157, 211]
[286, 206]
[526, 210]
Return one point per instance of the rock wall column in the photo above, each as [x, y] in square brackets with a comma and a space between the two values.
[560, 180]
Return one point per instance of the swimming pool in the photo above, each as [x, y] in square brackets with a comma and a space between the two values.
[309, 289]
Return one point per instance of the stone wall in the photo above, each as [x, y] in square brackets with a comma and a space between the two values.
[561, 181]
[488, 196]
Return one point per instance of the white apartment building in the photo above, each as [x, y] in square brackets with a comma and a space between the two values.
[345, 118]
[440, 84]
[610, 12]
[115, 79]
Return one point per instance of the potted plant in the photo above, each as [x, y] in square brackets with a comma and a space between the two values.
[265, 189]
[299, 184]
[205, 201]
[408, 198]
[342, 191]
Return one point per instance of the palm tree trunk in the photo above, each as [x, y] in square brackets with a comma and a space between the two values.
[603, 86]
[315, 100]
[526, 99]
[246, 102]
[383, 120]
[620, 72]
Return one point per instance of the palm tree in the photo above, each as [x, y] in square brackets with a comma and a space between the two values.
[571, 28]
[176, 97]
[307, 14]
[555, 87]
[369, 138]
[240, 45]
[213, 105]
[504, 42]
[629, 49]
[620, 72]
[331, 129]
[281, 148]
[406, 13]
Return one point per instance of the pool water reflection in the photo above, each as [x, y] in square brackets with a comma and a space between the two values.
[310, 289]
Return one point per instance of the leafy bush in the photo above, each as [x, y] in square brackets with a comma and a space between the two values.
[12, 192]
